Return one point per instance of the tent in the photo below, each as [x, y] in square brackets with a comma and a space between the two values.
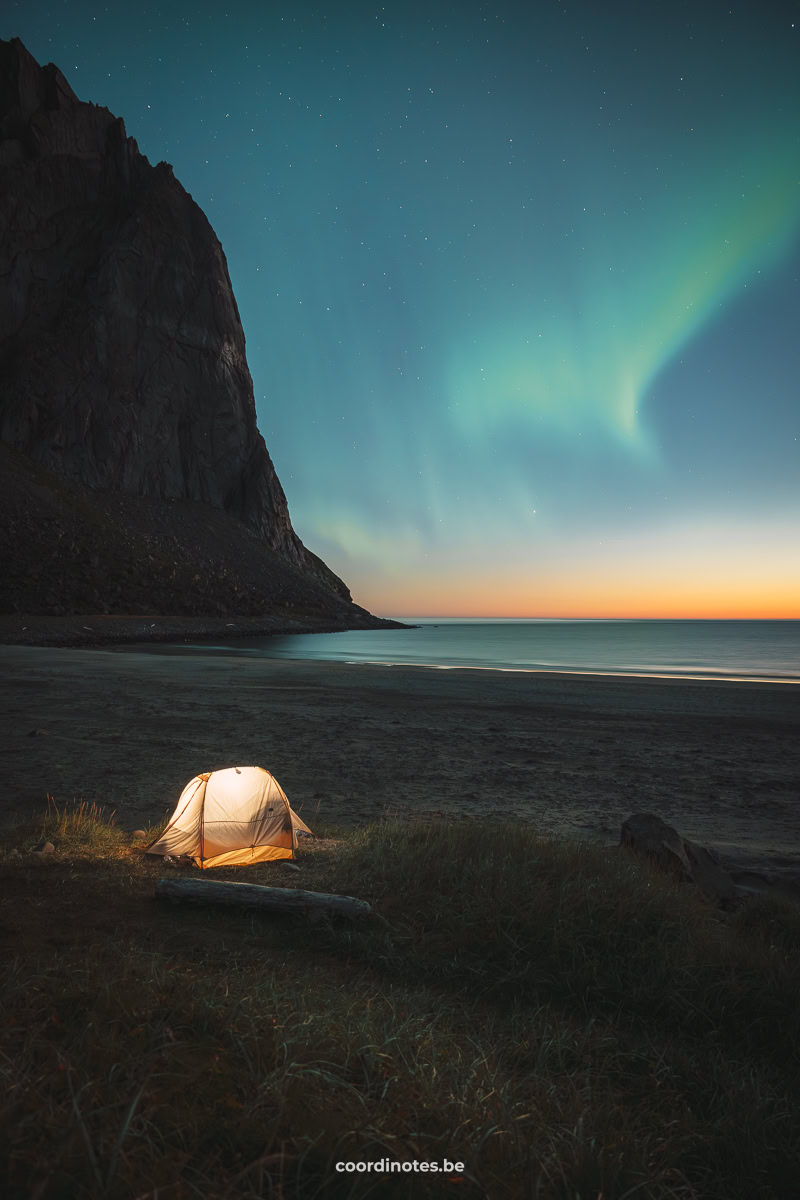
[226, 818]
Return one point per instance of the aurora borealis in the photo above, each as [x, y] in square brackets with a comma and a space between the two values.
[519, 282]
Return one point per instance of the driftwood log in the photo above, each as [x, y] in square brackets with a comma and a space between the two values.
[253, 895]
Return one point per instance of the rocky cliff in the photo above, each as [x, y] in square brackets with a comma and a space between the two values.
[122, 355]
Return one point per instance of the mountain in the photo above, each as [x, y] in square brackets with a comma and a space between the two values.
[123, 374]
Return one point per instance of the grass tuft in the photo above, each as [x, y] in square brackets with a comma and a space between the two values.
[80, 826]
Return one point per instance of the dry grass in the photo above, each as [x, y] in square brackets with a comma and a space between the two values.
[564, 1021]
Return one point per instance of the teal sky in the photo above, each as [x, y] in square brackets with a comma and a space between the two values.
[519, 282]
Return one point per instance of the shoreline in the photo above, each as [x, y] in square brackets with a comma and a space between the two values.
[571, 755]
[162, 647]
[165, 649]
[111, 629]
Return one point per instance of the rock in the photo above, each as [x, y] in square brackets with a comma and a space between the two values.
[138, 835]
[36, 733]
[122, 354]
[44, 847]
[647, 834]
[292, 866]
[709, 876]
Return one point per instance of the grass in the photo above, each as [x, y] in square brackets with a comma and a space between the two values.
[560, 1018]
[80, 829]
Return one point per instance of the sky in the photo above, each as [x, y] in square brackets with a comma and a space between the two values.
[519, 281]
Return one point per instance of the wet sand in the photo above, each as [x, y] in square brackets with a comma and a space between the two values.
[571, 755]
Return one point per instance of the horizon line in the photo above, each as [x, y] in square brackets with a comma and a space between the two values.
[475, 617]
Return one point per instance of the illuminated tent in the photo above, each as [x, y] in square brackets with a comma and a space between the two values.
[231, 817]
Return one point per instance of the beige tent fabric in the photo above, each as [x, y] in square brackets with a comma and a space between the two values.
[230, 817]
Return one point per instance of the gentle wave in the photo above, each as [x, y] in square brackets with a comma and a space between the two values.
[710, 677]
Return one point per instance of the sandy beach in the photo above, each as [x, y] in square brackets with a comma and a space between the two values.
[569, 754]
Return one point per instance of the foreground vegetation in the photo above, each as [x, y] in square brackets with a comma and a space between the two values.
[561, 1019]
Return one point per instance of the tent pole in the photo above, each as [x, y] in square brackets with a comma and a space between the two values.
[203, 826]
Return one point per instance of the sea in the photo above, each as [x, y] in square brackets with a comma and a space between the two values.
[749, 651]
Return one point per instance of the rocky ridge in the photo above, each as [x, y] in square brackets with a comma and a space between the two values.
[123, 376]
[67, 549]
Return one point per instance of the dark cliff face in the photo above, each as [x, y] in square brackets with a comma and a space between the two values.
[122, 355]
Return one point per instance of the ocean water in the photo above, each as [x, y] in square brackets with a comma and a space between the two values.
[736, 650]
